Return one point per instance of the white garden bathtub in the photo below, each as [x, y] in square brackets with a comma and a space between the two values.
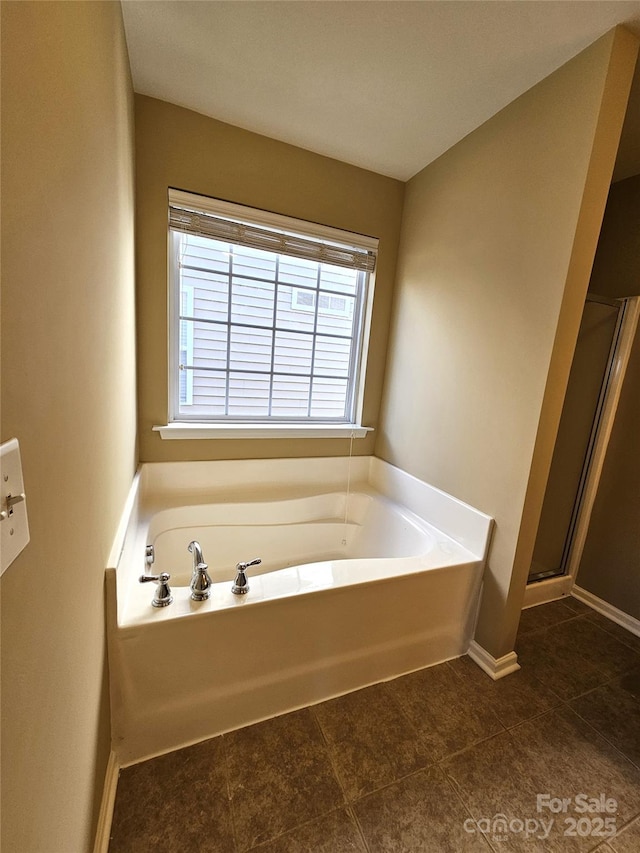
[356, 585]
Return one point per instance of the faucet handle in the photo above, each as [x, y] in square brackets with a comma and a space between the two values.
[162, 596]
[244, 566]
[241, 584]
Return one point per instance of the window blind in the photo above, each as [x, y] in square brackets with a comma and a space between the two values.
[200, 224]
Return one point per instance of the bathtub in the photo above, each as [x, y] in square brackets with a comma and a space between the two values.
[367, 573]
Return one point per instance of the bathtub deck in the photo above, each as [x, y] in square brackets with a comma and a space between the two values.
[291, 582]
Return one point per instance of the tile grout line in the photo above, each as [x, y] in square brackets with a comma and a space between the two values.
[227, 776]
[536, 716]
[622, 643]
[496, 713]
[567, 706]
[329, 752]
[595, 668]
[347, 802]
[554, 624]
[617, 636]
[434, 764]
[399, 707]
[473, 745]
[310, 709]
[417, 734]
[464, 805]
[621, 830]
[563, 704]
[611, 838]
[607, 683]
[351, 803]
[505, 728]
[606, 739]
[291, 830]
[388, 785]
[356, 820]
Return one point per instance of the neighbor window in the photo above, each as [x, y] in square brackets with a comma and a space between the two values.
[267, 315]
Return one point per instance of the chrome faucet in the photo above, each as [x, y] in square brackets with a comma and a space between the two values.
[200, 581]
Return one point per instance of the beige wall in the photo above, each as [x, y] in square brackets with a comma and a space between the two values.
[179, 148]
[68, 394]
[616, 268]
[497, 242]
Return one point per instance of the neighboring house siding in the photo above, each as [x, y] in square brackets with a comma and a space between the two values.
[250, 349]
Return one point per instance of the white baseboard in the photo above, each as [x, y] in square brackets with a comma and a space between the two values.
[619, 616]
[494, 667]
[103, 830]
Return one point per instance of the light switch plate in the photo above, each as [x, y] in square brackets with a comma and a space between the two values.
[14, 526]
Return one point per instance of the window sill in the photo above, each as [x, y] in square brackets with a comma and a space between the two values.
[263, 430]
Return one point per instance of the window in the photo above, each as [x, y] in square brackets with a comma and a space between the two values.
[267, 316]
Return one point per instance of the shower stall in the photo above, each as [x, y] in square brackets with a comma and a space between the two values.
[605, 340]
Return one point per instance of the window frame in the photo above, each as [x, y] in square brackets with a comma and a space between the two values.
[223, 425]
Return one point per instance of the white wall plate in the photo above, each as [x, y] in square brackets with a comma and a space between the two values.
[14, 526]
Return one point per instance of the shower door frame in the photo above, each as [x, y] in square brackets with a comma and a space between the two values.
[549, 588]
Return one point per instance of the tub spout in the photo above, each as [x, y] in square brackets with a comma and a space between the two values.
[195, 549]
[200, 581]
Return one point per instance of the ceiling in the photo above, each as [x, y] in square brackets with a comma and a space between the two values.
[388, 86]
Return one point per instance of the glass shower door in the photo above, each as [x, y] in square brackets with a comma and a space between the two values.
[586, 389]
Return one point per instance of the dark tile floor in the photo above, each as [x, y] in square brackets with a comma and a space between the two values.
[439, 760]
